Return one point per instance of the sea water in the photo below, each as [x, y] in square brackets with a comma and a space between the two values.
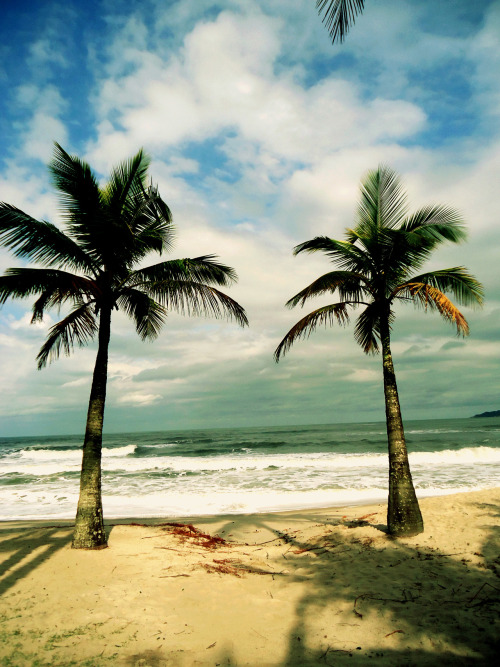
[241, 470]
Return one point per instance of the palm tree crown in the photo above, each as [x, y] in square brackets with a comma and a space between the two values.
[110, 230]
[378, 261]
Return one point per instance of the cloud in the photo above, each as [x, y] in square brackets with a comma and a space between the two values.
[138, 400]
[260, 132]
[43, 107]
[224, 79]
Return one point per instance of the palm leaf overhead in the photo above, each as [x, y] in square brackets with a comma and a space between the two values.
[91, 270]
[378, 264]
[339, 15]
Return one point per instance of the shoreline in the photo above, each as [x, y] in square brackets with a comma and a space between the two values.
[309, 507]
[301, 587]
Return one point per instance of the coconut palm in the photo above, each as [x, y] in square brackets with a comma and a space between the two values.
[378, 267]
[339, 15]
[94, 268]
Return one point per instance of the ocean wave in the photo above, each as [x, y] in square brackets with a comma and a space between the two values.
[74, 453]
[49, 462]
[463, 456]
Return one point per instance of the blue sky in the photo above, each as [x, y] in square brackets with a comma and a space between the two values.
[260, 132]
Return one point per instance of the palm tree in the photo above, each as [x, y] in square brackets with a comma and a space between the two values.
[377, 264]
[339, 15]
[95, 268]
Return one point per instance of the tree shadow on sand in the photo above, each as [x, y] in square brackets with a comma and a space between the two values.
[372, 599]
[23, 549]
[438, 600]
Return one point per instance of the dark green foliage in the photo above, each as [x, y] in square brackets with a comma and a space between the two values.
[90, 270]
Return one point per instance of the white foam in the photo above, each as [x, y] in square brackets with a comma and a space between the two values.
[50, 462]
[71, 454]
[50, 504]
[464, 456]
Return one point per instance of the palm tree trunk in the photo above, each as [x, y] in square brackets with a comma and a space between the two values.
[403, 512]
[89, 530]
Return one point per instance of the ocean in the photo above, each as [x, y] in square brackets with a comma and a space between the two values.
[244, 470]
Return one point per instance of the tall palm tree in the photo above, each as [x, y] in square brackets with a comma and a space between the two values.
[377, 264]
[95, 268]
[339, 15]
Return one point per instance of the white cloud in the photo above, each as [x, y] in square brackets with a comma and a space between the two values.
[363, 375]
[138, 399]
[45, 126]
[25, 323]
[224, 79]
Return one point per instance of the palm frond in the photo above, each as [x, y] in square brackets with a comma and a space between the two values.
[56, 286]
[79, 327]
[350, 286]
[339, 16]
[367, 329]
[127, 181]
[434, 224]
[383, 203]
[40, 241]
[336, 312]
[457, 280]
[426, 296]
[199, 269]
[346, 255]
[151, 221]
[148, 315]
[81, 201]
[191, 298]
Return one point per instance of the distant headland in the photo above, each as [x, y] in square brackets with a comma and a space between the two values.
[493, 413]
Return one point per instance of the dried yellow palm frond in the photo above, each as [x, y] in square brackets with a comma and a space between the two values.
[431, 297]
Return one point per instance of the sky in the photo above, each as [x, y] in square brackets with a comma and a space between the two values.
[260, 131]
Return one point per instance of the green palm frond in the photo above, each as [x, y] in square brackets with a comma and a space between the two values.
[126, 183]
[40, 241]
[191, 298]
[367, 329]
[152, 222]
[457, 280]
[336, 312]
[339, 15]
[346, 255]
[148, 315]
[383, 203]
[79, 327]
[199, 269]
[350, 286]
[434, 224]
[81, 201]
[58, 286]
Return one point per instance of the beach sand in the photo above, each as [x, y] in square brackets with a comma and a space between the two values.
[310, 587]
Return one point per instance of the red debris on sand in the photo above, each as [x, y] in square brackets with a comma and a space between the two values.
[187, 531]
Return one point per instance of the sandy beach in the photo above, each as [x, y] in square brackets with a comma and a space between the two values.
[310, 587]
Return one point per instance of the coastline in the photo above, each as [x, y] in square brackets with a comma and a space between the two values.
[300, 587]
